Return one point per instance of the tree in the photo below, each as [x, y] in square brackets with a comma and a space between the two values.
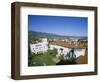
[33, 39]
[52, 52]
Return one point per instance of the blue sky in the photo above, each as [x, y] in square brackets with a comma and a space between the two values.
[68, 26]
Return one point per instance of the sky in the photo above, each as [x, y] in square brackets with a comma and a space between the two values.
[60, 25]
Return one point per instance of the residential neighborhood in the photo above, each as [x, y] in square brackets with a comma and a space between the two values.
[70, 50]
[57, 40]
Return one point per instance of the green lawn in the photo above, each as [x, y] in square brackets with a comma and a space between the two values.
[42, 59]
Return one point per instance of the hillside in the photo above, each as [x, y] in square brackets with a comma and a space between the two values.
[53, 36]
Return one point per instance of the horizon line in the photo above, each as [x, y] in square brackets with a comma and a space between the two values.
[56, 34]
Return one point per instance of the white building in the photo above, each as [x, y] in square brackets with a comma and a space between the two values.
[64, 51]
[61, 50]
[39, 47]
[43, 47]
[79, 52]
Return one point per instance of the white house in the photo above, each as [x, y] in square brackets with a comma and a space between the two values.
[40, 46]
[61, 50]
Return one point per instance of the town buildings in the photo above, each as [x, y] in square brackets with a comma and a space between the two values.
[43, 46]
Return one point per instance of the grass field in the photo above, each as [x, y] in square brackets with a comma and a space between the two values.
[42, 59]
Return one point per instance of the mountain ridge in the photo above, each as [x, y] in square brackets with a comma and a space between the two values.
[52, 35]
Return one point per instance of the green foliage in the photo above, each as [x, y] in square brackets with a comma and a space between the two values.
[71, 61]
[61, 57]
[67, 61]
[52, 52]
[42, 59]
[33, 39]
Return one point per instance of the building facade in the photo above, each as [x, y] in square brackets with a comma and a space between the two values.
[61, 50]
[39, 47]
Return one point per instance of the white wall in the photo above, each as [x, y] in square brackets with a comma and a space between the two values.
[5, 48]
